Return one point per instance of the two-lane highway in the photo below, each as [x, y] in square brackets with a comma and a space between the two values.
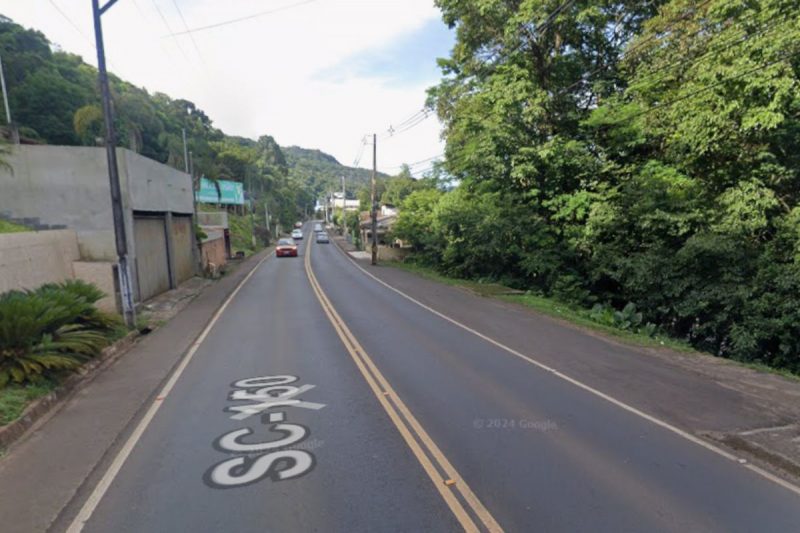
[321, 400]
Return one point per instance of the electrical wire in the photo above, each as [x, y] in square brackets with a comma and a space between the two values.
[186, 27]
[726, 45]
[169, 29]
[692, 94]
[585, 77]
[72, 23]
[241, 19]
[147, 23]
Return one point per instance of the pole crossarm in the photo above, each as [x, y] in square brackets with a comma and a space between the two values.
[107, 6]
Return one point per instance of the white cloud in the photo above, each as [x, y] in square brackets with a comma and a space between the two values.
[260, 76]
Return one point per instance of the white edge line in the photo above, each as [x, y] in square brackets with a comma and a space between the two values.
[116, 465]
[688, 436]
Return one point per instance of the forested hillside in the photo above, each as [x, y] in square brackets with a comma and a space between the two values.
[614, 152]
[322, 172]
[54, 99]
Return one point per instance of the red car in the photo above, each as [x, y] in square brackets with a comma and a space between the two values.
[286, 248]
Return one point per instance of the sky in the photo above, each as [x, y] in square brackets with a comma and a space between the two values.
[313, 73]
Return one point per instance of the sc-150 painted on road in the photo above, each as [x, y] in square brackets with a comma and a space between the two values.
[274, 459]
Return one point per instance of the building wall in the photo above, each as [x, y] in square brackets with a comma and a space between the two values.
[102, 275]
[61, 187]
[67, 187]
[388, 253]
[213, 250]
[182, 236]
[152, 272]
[31, 259]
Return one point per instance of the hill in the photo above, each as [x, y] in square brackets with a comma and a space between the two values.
[320, 172]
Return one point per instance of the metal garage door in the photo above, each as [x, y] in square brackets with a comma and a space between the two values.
[182, 245]
[152, 267]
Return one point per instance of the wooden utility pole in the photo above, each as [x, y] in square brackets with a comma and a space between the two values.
[344, 203]
[123, 268]
[374, 213]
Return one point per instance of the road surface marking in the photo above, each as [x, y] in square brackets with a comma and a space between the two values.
[407, 425]
[116, 465]
[244, 468]
[666, 425]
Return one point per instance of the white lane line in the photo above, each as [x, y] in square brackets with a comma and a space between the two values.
[116, 465]
[666, 425]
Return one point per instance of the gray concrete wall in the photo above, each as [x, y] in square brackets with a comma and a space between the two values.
[31, 259]
[152, 186]
[61, 186]
[67, 187]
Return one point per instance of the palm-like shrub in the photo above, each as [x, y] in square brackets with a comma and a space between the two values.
[56, 327]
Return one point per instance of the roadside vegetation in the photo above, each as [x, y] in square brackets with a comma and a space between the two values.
[241, 228]
[11, 227]
[636, 161]
[45, 334]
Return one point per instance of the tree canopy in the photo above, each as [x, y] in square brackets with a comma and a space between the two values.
[614, 151]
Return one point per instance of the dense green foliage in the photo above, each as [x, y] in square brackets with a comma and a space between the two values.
[56, 327]
[627, 152]
[321, 172]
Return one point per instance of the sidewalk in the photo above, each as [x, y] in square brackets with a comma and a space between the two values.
[49, 466]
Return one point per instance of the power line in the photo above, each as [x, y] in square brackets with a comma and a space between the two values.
[241, 19]
[585, 77]
[412, 121]
[417, 163]
[692, 94]
[186, 27]
[169, 29]
[146, 20]
[360, 153]
[726, 45]
[70, 21]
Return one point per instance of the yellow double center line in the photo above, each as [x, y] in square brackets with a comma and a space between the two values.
[443, 475]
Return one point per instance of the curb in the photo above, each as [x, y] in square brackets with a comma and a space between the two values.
[51, 402]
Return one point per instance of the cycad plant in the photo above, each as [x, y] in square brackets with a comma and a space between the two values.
[53, 328]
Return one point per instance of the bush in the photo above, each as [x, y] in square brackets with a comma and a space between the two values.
[54, 328]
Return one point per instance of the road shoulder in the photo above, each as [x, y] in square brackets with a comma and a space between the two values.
[754, 414]
[58, 458]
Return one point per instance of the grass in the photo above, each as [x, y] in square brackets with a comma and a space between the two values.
[241, 228]
[15, 398]
[10, 227]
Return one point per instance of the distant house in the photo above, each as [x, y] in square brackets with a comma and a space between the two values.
[388, 210]
[385, 223]
[349, 205]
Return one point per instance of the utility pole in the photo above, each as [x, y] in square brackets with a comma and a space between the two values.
[344, 204]
[374, 213]
[123, 268]
[266, 216]
[12, 127]
[185, 151]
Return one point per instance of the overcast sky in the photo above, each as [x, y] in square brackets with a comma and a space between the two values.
[313, 73]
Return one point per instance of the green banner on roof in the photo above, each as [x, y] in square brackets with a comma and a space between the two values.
[230, 192]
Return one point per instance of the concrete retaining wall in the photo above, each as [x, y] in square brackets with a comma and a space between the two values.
[59, 187]
[31, 259]
[387, 253]
[213, 250]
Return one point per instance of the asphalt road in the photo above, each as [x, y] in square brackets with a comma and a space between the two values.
[373, 414]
